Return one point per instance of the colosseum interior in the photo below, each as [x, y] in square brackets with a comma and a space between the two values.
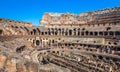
[64, 42]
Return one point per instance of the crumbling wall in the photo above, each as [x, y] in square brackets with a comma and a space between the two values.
[82, 18]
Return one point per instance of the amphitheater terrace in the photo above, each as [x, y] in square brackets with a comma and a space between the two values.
[63, 42]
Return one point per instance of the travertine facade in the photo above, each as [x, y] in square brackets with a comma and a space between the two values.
[86, 42]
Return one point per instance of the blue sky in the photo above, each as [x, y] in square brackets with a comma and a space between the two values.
[32, 10]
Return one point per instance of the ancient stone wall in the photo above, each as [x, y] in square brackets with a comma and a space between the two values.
[50, 19]
[88, 41]
[14, 22]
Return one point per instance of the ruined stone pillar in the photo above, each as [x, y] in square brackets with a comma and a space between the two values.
[84, 33]
[98, 34]
[60, 31]
[76, 33]
[80, 33]
[103, 33]
[72, 33]
[68, 32]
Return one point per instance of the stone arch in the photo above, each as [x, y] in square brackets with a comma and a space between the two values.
[1, 31]
[52, 31]
[20, 49]
[46, 33]
[87, 33]
[38, 31]
[101, 33]
[74, 31]
[42, 33]
[70, 32]
[91, 33]
[56, 31]
[49, 43]
[59, 31]
[105, 33]
[53, 41]
[31, 32]
[34, 31]
[16, 27]
[62, 31]
[37, 42]
[94, 56]
[49, 31]
[111, 33]
[66, 31]
[117, 33]
[78, 31]
[82, 33]
[95, 33]
[100, 57]
[26, 29]
[12, 26]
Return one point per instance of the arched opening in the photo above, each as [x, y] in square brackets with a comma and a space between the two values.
[37, 42]
[62, 31]
[86, 32]
[95, 33]
[73, 44]
[101, 33]
[117, 33]
[53, 51]
[34, 31]
[74, 31]
[46, 33]
[106, 14]
[69, 44]
[1, 32]
[53, 41]
[100, 57]
[38, 31]
[56, 32]
[31, 33]
[16, 27]
[20, 49]
[42, 33]
[57, 52]
[59, 31]
[106, 33]
[78, 33]
[82, 33]
[94, 56]
[108, 28]
[70, 32]
[26, 29]
[66, 33]
[52, 32]
[111, 33]
[91, 33]
[49, 33]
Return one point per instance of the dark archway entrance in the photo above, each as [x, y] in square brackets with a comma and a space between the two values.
[37, 42]
[70, 32]
[1, 32]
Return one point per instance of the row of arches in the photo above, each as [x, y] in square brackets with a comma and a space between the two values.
[75, 32]
[90, 47]
[43, 42]
[18, 30]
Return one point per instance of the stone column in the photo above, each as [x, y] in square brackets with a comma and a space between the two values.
[84, 33]
[80, 33]
[72, 32]
[68, 32]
